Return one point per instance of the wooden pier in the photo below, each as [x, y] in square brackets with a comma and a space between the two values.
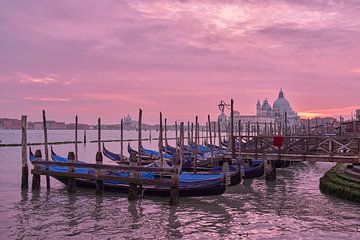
[301, 148]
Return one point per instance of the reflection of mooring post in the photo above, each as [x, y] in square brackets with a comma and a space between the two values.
[84, 136]
[270, 171]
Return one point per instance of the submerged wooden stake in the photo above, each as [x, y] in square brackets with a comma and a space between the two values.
[25, 168]
[46, 147]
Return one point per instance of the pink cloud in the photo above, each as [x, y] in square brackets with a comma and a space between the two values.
[181, 57]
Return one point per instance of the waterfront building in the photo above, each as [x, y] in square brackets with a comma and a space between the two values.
[357, 115]
[266, 115]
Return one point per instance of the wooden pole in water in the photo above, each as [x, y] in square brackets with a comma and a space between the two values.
[160, 144]
[219, 132]
[176, 135]
[36, 177]
[192, 132]
[84, 136]
[122, 138]
[46, 148]
[206, 132]
[133, 191]
[214, 141]
[174, 190]
[139, 138]
[257, 129]
[25, 168]
[196, 144]
[211, 144]
[71, 182]
[188, 132]
[166, 142]
[99, 160]
[76, 139]
[182, 142]
[233, 156]
[99, 135]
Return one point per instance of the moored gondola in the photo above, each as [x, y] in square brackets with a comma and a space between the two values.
[189, 184]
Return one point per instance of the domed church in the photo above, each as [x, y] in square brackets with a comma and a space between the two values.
[280, 107]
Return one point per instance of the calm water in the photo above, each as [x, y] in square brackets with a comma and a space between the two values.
[290, 207]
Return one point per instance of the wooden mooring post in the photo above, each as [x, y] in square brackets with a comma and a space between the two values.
[174, 189]
[36, 177]
[71, 187]
[46, 147]
[211, 143]
[233, 154]
[99, 160]
[25, 168]
[133, 187]
[196, 145]
[122, 138]
[219, 133]
[76, 138]
[84, 142]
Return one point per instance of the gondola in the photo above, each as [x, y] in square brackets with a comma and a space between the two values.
[124, 160]
[190, 185]
[255, 170]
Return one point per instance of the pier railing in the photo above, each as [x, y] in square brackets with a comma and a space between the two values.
[301, 148]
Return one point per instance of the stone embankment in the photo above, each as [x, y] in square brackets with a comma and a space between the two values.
[343, 181]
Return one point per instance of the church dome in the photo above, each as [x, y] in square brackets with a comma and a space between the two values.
[281, 104]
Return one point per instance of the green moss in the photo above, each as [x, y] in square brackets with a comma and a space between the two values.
[337, 183]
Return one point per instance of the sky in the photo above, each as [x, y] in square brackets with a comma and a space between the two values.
[109, 58]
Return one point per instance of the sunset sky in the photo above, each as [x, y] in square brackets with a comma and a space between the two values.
[108, 58]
